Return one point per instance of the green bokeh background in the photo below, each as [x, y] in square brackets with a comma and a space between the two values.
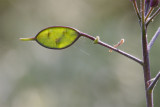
[83, 75]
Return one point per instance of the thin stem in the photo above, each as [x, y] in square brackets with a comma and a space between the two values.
[112, 48]
[153, 84]
[149, 13]
[147, 7]
[136, 9]
[146, 65]
[153, 39]
[28, 39]
[153, 16]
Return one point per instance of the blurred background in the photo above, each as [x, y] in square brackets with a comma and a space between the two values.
[83, 75]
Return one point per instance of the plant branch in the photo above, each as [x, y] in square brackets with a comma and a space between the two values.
[153, 39]
[146, 65]
[153, 16]
[149, 13]
[147, 7]
[153, 84]
[111, 47]
[136, 9]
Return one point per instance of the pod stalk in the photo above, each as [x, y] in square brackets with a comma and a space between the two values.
[27, 39]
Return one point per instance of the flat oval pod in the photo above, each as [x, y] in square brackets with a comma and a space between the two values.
[57, 37]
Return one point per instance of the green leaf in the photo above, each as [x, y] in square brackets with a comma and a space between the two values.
[56, 37]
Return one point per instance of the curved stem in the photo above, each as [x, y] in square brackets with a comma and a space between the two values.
[112, 48]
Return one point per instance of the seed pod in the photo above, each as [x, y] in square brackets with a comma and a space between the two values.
[56, 37]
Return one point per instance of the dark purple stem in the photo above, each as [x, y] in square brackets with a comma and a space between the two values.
[146, 65]
[112, 48]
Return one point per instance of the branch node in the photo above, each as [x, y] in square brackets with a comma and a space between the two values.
[154, 82]
[97, 39]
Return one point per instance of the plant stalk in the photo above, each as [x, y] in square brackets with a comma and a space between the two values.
[153, 16]
[149, 13]
[153, 39]
[113, 48]
[146, 65]
[153, 84]
[136, 9]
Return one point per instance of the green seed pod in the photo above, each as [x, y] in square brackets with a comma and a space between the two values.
[56, 37]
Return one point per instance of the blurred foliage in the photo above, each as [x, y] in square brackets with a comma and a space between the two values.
[83, 75]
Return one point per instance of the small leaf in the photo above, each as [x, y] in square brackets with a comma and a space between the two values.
[57, 37]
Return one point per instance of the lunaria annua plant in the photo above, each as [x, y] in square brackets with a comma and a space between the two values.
[60, 37]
